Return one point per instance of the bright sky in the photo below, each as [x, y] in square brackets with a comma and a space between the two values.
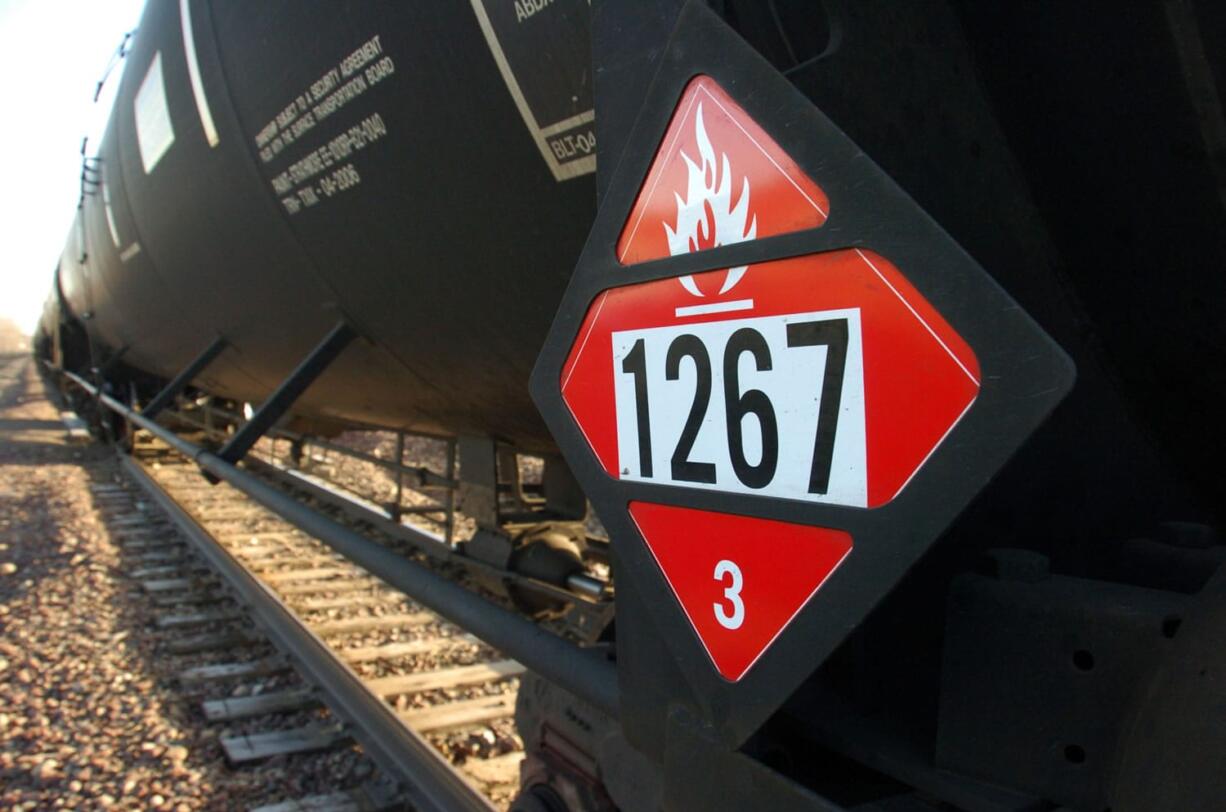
[52, 54]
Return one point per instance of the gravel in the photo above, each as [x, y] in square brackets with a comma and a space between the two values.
[90, 714]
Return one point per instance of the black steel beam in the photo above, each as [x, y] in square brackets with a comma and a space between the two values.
[291, 388]
[180, 382]
[585, 674]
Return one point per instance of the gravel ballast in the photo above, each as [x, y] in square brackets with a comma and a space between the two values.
[91, 716]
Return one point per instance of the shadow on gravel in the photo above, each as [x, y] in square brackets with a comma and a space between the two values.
[91, 712]
[38, 540]
[30, 425]
[16, 384]
[89, 717]
[32, 542]
[36, 452]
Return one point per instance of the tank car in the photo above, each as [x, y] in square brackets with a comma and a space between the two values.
[426, 178]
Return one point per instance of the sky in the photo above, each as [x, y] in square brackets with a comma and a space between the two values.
[52, 54]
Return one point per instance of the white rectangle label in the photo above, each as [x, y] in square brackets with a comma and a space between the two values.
[771, 406]
[154, 132]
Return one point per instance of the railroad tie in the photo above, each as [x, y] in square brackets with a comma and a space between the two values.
[114, 502]
[264, 667]
[239, 538]
[201, 598]
[317, 574]
[266, 551]
[355, 625]
[155, 585]
[390, 651]
[360, 799]
[143, 536]
[304, 563]
[445, 678]
[168, 571]
[243, 749]
[147, 545]
[138, 520]
[160, 556]
[186, 621]
[210, 641]
[228, 514]
[317, 587]
[245, 707]
[379, 599]
[465, 713]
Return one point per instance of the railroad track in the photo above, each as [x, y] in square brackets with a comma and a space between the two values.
[292, 649]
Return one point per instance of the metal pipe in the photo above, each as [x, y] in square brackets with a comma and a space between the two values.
[585, 585]
[584, 674]
[399, 476]
[449, 472]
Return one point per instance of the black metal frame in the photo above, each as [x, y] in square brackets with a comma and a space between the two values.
[171, 390]
[283, 397]
[675, 701]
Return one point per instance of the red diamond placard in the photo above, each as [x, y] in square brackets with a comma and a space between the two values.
[718, 179]
[823, 378]
[772, 445]
[739, 580]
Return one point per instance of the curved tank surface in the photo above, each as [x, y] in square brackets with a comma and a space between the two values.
[423, 173]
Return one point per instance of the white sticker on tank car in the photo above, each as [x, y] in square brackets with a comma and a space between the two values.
[154, 132]
[543, 51]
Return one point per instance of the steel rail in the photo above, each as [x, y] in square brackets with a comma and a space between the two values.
[426, 778]
[578, 586]
[586, 674]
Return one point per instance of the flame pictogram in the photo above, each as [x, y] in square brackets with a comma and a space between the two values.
[706, 216]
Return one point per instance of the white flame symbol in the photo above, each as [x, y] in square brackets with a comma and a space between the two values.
[706, 217]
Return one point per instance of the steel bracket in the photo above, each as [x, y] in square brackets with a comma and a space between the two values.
[180, 381]
[291, 388]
